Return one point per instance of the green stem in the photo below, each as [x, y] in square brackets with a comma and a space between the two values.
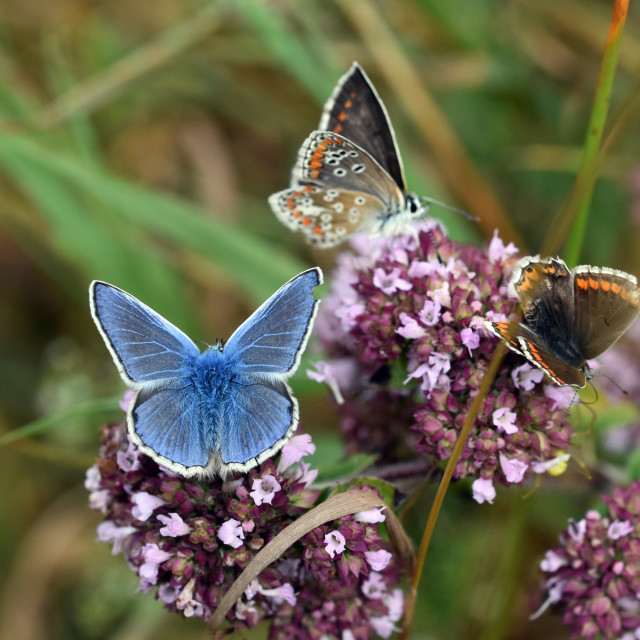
[585, 181]
[444, 485]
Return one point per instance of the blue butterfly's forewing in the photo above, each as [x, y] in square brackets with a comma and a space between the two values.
[145, 347]
[167, 423]
[274, 337]
[261, 414]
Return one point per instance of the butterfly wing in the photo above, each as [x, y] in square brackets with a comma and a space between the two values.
[261, 415]
[331, 161]
[272, 340]
[607, 302]
[525, 342]
[356, 111]
[145, 347]
[327, 217]
[559, 371]
[166, 422]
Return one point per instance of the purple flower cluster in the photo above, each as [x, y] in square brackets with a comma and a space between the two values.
[407, 347]
[191, 539]
[594, 573]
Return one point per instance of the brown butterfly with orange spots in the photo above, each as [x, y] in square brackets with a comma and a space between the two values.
[570, 316]
[349, 177]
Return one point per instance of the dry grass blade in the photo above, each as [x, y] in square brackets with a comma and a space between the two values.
[463, 176]
[335, 507]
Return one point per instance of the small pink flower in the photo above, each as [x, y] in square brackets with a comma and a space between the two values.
[92, 478]
[505, 420]
[430, 313]
[526, 377]
[231, 533]
[410, 328]
[546, 465]
[470, 339]
[153, 558]
[174, 526]
[513, 469]
[483, 491]
[281, 594]
[144, 505]
[391, 282]
[377, 560]
[335, 542]
[330, 374]
[264, 489]
[562, 396]
[108, 531]
[422, 269]
[383, 626]
[552, 561]
[497, 251]
[295, 449]
[374, 586]
[619, 528]
[127, 398]
[128, 460]
[99, 500]
[371, 515]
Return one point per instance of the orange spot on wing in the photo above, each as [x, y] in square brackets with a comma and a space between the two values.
[337, 128]
[314, 174]
[616, 288]
[606, 285]
[297, 214]
[306, 221]
[353, 94]
[318, 230]
[315, 164]
[317, 154]
[342, 116]
[594, 284]
[348, 104]
[625, 294]
[582, 283]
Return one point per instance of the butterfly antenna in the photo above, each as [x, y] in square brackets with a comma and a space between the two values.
[613, 382]
[462, 212]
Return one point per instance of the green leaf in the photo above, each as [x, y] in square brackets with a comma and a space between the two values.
[102, 407]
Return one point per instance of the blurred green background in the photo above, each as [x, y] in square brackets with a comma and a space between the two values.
[139, 143]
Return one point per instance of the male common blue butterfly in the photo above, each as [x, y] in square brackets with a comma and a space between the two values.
[349, 177]
[226, 409]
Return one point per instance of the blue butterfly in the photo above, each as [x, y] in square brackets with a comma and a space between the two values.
[226, 409]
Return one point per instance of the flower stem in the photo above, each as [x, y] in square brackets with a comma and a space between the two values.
[586, 178]
[442, 489]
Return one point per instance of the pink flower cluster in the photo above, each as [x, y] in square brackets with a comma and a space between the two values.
[407, 351]
[594, 573]
[189, 540]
